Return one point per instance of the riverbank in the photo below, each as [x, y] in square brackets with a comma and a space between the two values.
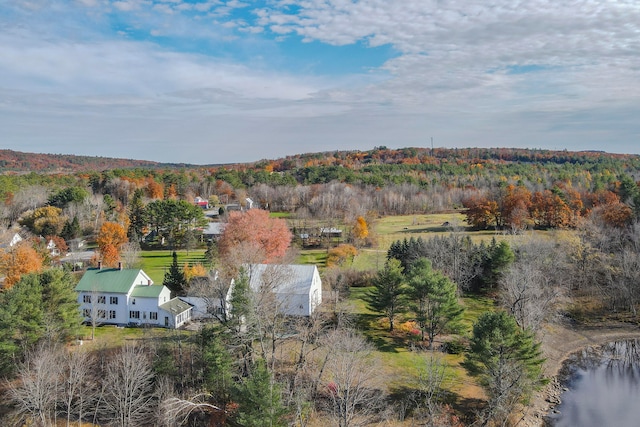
[559, 341]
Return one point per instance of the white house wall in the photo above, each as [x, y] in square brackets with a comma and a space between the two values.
[145, 306]
[121, 310]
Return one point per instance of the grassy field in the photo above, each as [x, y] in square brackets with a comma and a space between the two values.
[402, 362]
[156, 263]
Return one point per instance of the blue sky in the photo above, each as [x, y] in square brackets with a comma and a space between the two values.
[216, 81]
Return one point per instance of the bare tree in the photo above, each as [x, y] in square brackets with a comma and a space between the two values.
[78, 387]
[130, 255]
[349, 379]
[428, 397]
[528, 295]
[176, 411]
[212, 289]
[34, 395]
[269, 313]
[128, 388]
[96, 311]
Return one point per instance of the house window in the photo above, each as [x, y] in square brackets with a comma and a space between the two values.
[113, 300]
[144, 314]
[134, 314]
[86, 299]
[102, 314]
[86, 312]
[133, 301]
[102, 299]
[112, 314]
[153, 315]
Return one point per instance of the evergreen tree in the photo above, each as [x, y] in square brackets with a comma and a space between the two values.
[260, 400]
[71, 229]
[499, 258]
[388, 291]
[174, 278]
[211, 253]
[60, 305]
[40, 306]
[218, 367]
[433, 299]
[138, 217]
[506, 360]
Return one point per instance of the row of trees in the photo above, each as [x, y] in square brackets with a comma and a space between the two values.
[516, 207]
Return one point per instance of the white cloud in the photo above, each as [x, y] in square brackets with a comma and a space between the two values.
[468, 72]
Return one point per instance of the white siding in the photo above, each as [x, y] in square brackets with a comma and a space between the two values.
[121, 310]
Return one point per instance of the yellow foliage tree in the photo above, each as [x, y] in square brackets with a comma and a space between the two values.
[195, 270]
[360, 229]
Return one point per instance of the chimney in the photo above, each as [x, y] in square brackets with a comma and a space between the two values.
[99, 265]
[119, 265]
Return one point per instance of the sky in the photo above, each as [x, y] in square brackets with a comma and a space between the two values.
[217, 81]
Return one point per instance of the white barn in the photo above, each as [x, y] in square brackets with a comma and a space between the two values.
[128, 297]
[298, 288]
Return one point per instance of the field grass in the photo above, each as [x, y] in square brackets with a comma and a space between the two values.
[108, 336]
[316, 257]
[156, 263]
[403, 363]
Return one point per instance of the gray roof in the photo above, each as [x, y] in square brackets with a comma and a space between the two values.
[176, 306]
[214, 228]
[289, 278]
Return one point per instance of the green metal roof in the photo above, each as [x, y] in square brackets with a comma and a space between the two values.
[107, 280]
[142, 291]
[175, 306]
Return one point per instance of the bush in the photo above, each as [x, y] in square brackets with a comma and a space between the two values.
[456, 346]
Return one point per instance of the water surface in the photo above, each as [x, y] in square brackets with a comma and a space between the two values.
[604, 387]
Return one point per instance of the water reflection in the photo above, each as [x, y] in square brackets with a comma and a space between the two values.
[604, 387]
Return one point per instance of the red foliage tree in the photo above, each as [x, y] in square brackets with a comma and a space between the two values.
[255, 228]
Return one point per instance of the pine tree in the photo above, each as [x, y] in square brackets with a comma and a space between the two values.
[506, 360]
[260, 400]
[138, 217]
[388, 291]
[174, 278]
[433, 299]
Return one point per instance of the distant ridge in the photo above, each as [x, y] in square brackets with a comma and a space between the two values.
[20, 162]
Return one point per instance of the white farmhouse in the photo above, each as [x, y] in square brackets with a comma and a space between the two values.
[120, 296]
[298, 288]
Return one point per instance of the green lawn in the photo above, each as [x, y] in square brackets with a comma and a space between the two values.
[156, 263]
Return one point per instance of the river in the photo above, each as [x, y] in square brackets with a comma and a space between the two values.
[603, 387]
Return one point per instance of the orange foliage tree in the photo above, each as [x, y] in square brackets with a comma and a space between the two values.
[110, 240]
[256, 229]
[19, 260]
[481, 212]
[548, 210]
[340, 254]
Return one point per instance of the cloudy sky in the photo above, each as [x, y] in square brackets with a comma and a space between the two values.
[216, 81]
